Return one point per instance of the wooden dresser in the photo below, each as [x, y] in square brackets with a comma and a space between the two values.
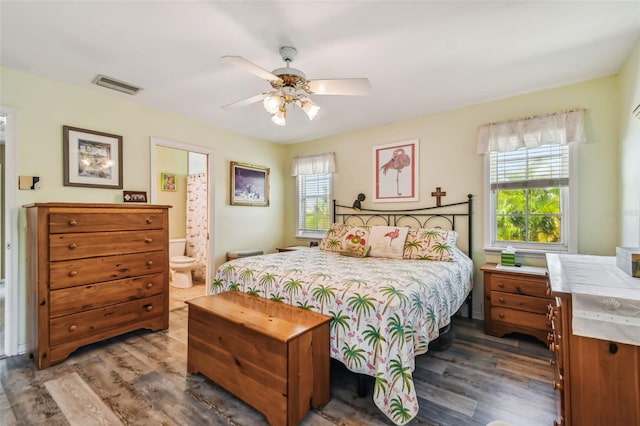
[94, 271]
[598, 380]
[515, 301]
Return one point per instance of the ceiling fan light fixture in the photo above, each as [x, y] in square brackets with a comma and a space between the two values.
[310, 108]
[280, 117]
[272, 103]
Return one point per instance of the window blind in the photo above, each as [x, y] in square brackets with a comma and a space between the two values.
[314, 192]
[540, 167]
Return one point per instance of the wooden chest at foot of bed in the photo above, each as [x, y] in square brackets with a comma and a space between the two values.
[271, 355]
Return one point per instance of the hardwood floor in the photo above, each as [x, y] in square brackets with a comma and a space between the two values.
[140, 378]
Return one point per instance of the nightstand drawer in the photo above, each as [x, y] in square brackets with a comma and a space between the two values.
[517, 285]
[519, 302]
[520, 318]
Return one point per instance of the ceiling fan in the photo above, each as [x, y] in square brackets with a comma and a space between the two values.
[291, 87]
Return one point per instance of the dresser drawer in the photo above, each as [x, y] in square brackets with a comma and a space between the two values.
[511, 284]
[79, 246]
[70, 273]
[520, 318]
[520, 302]
[71, 300]
[97, 323]
[104, 222]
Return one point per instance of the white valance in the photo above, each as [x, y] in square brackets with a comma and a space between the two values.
[550, 129]
[313, 164]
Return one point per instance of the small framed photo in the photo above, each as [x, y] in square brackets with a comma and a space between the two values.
[168, 181]
[134, 196]
[249, 185]
[92, 159]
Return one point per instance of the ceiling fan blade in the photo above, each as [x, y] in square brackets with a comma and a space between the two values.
[245, 102]
[251, 67]
[343, 86]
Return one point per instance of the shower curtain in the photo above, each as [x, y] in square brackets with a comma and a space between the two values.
[197, 226]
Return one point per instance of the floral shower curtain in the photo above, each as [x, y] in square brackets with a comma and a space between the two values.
[197, 226]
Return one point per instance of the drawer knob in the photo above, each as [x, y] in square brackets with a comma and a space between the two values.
[501, 300]
[501, 315]
[73, 327]
[72, 246]
[557, 384]
[148, 240]
[501, 284]
[149, 221]
[613, 348]
[148, 308]
[149, 285]
[73, 273]
[73, 222]
[149, 262]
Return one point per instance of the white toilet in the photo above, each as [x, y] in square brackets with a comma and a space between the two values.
[179, 264]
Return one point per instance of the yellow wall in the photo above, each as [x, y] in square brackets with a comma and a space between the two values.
[629, 209]
[448, 159]
[174, 161]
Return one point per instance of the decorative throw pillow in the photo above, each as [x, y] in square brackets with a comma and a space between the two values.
[387, 241]
[356, 251]
[430, 244]
[355, 240]
[333, 239]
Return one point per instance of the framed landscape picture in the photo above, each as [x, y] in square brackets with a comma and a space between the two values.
[249, 185]
[92, 159]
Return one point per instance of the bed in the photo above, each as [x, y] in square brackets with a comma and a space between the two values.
[386, 310]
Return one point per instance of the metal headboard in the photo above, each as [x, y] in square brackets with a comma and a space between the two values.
[448, 215]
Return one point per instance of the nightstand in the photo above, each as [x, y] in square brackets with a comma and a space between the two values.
[516, 300]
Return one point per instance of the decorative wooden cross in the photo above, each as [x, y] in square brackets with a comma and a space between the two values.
[438, 194]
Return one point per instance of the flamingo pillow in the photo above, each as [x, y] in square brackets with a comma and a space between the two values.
[387, 241]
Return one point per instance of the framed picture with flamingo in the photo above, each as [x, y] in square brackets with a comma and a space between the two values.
[395, 172]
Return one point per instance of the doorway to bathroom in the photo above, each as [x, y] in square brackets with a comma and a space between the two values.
[182, 177]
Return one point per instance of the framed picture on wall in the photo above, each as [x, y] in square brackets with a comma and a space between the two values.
[92, 159]
[168, 181]
[249, 185]
[395, 172]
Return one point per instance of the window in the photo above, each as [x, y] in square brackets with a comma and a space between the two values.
[530, 198]
[314, 205]
[531, 181]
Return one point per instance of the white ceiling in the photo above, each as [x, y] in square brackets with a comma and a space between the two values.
[422, 57]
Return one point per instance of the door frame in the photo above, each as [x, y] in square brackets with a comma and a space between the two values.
[12, 289]
[156, 142]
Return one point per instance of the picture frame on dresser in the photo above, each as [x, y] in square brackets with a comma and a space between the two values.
[91, 158]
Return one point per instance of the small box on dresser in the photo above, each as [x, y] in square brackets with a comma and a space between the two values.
[628, 259]
[94, 271]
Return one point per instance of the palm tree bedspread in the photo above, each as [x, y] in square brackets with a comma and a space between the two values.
[385, 311]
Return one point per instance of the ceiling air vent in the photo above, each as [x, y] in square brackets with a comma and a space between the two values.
[112, 83]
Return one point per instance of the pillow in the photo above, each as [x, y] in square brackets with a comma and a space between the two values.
[356, 251]
[387, 241]
[355, 240]
[430, 244]
[332, 241]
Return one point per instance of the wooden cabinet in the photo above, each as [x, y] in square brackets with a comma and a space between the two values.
[94, 271]
[598, 381]
[515, 302]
